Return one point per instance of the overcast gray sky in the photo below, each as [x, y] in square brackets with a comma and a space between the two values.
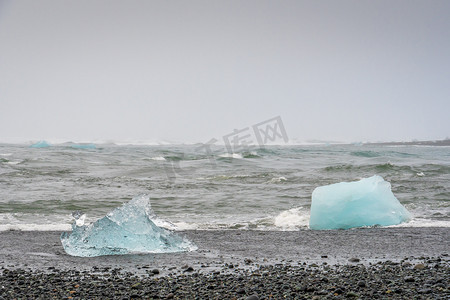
[188, 71]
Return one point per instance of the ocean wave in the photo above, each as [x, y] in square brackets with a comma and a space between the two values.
[35, 227]
[159, 158]
[227, 177]
[251, 154]
[245, 193]
[416, 170]
[289, 220]
[238, 176]
[240, 155]
[231, 155]
[292, 219]
[421, 222]
[373, 153]
[277, 179]
[176, 157]
[365, 153]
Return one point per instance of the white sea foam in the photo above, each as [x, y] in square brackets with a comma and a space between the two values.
[41, 254]
[292, 219]
[35, 227]
[33, 222]
[277, 179]
[225, 177]
[159, 158]
[289, 220]
[420, 222]
[163, 223]
[231, 155]
[180, 226]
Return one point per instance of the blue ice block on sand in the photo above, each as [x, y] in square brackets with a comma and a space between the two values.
[127, 229]
[345, 205]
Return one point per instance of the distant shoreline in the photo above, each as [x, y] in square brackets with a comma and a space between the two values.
[445, 142]
[91, 144]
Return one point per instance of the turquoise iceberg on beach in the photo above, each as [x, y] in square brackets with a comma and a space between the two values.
[127, 229]
[367, 202]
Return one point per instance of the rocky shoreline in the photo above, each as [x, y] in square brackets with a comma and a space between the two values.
[384, 280]
[372, 263]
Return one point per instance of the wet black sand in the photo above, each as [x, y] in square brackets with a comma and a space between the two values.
[394, 263]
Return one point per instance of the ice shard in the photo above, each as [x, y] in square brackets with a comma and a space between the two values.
[126, 229]
[368, 202]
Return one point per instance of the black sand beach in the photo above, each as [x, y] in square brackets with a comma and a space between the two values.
[384, 263]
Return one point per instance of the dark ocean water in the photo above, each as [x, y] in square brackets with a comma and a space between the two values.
[262, 189]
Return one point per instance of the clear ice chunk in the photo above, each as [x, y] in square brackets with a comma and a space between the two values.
[127, 229]
[79, 217]
[367, 202]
